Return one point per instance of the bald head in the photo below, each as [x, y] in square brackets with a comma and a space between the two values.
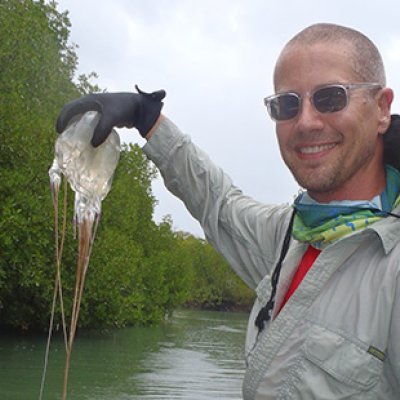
[365, 58]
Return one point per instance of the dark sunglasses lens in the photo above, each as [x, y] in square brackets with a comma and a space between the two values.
[284, 106]
[330, 99]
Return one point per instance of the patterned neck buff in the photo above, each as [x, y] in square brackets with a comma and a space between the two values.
[323, 224]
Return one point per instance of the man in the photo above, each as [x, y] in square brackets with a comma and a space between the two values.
[326, 321]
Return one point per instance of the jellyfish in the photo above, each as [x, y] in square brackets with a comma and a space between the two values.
[89, 171]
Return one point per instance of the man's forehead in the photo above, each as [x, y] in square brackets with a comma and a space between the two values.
[316, 47]
[334, 56]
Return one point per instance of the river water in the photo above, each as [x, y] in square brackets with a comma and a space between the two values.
[195, 355]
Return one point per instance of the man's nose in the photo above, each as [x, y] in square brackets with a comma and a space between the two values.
[309, 118]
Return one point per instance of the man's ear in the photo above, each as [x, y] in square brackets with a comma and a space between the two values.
[385, 99]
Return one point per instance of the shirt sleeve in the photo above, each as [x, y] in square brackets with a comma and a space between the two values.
[245, 232]
[394, 335]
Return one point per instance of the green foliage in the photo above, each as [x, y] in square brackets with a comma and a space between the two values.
[139, 271]
[36, 67]
[135, 271]
[213, 283]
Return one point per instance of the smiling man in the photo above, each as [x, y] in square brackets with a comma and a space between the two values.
[335, 154]
[326, 270]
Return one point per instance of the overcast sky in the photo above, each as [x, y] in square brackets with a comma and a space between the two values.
[215, 60]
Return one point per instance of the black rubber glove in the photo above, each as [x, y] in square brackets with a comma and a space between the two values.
[139, 110]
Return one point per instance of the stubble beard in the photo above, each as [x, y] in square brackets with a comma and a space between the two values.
[326, 179]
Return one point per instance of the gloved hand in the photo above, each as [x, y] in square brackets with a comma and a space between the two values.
[139, 110]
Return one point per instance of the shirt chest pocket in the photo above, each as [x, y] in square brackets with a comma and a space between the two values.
[334, 368]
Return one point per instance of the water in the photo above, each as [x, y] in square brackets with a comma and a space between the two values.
[194, 356]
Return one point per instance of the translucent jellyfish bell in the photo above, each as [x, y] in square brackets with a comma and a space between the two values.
[89, 170]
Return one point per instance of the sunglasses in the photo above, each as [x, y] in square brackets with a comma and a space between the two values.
[326, 99]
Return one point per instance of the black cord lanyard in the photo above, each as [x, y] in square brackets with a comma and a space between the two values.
[265, 313]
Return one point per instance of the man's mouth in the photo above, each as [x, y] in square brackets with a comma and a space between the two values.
[309, 150]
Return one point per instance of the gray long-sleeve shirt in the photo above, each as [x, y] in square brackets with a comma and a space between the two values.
[338, 336]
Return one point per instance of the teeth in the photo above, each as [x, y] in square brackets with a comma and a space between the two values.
[316, 149]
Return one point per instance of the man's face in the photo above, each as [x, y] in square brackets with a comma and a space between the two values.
[338, 155]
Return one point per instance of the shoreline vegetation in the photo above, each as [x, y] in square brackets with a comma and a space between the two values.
[225, 307]
[139, 270]
[57, 332]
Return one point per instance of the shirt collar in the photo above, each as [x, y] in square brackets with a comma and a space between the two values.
[388, 231]
[375, 203]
